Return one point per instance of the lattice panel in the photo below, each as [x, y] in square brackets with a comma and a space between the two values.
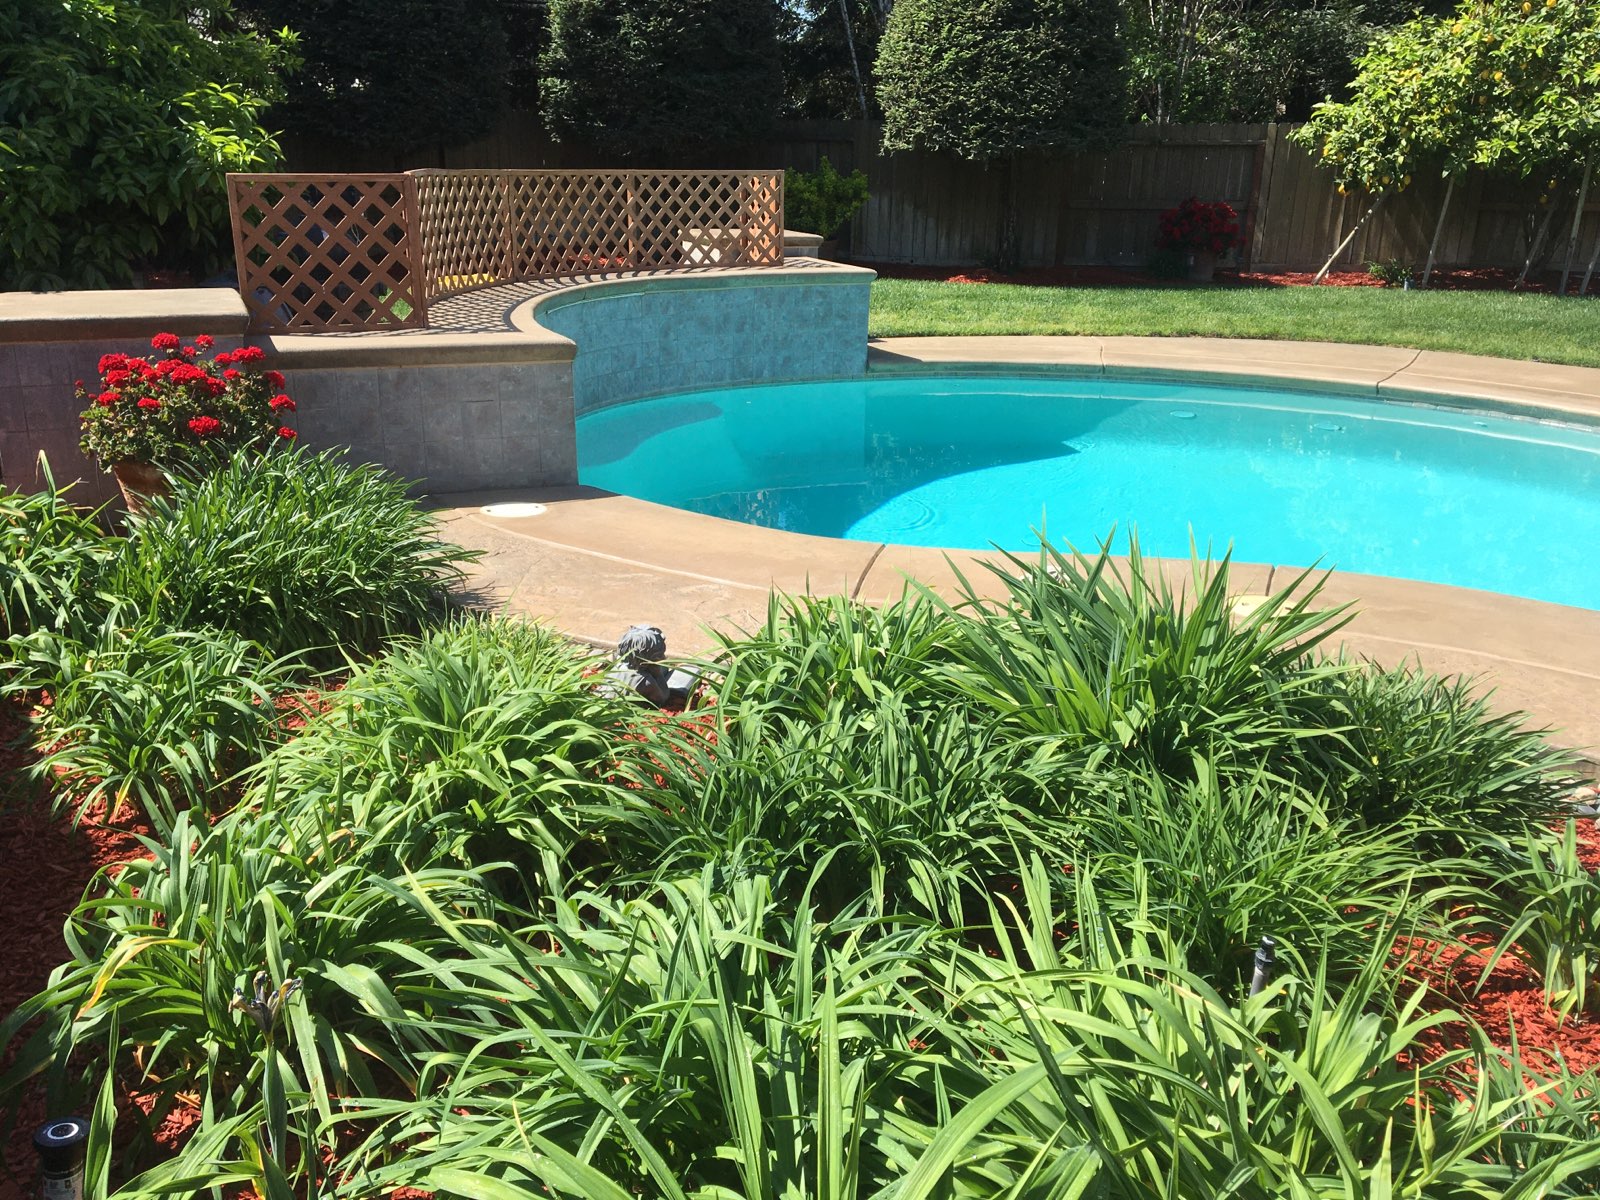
[362, 252]
[330, 253]
[467, 229]
[571, 224]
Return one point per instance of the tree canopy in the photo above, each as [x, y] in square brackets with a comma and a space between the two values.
[391, 74]
[1509, 85]
[661, 79]
[986, 79]
[118, 123]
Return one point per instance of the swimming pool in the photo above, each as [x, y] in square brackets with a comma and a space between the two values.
[1444, 495]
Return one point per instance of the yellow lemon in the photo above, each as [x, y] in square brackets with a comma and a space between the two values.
[1499, 74]
[1526, 6]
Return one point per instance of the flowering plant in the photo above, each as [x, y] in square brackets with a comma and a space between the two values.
[182, 406]
[1198, 225]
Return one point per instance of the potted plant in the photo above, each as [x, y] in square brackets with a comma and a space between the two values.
[822, 201]
[179, 407]
[1202, 231]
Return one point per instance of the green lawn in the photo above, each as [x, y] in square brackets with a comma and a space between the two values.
[1546, 328]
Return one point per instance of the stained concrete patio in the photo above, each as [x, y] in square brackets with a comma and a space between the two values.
[595, 563]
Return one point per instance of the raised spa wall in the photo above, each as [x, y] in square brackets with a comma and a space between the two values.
[455, 410]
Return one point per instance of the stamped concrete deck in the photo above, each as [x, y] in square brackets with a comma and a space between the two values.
[595, 563]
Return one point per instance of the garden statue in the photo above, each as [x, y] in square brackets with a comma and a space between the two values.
[640, 669]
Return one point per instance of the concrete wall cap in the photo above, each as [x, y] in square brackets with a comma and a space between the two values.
[414, 348]
[89, 316]
[816, 272]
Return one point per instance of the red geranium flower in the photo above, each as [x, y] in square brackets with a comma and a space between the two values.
[274, 378]
[117, 377]
[205, 341]
[110, 361]
[164, 341]
[204, 426]
[285, 432]
[278, 402]
[248, 354]
[231, 372]
[106, 399]
[149, 402]
[224, 358]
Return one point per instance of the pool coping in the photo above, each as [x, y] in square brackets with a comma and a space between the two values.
[596, 562]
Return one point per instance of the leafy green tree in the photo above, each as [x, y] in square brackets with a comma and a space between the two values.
[991, 79]
[118, 122]
[1511, 86]
[389, 75]
[664, 80]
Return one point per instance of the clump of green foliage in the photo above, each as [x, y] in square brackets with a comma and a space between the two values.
[296, 550]
[822, 201]
[118, 123]
[944, 897]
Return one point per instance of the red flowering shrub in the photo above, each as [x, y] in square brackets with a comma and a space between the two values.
[1197, 225]
[174, 407]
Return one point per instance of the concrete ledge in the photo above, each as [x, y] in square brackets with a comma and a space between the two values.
[415, 348]
[88, 316]
[1544, 390]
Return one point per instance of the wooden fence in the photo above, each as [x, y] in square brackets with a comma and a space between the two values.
[1102, 209]
[344, 252]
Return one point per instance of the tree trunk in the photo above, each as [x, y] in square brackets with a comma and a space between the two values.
[1349, 237]
[1594, 259]
[1438, 228]
[1577, 220]
[1538, 244]
[1008, 253]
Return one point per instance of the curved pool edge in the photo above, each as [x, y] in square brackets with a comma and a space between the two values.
[595, 563]
[1547, 391]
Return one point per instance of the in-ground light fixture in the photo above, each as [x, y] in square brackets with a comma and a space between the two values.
[1266, 963]
[61, 1145]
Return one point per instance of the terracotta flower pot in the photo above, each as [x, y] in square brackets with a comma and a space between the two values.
[1202, 266]
[139, 481]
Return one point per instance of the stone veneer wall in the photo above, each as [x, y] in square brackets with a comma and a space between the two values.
[643, 337]
[455, 411]
[50, 340]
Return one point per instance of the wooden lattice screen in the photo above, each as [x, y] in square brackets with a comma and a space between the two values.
[328, 253]
[358, 251]
[483, 227]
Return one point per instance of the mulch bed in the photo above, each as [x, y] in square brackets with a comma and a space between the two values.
[1485, 279]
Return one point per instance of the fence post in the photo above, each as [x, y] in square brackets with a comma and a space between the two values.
[415, 235]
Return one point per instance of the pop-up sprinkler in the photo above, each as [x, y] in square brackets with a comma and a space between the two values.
[61, 1145]
[1266, 963]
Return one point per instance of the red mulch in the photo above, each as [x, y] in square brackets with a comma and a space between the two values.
[1510, 1006]
[1483, 279]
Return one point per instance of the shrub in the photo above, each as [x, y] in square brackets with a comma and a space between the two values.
[1197, 226]
[51, 558]
[1428, 754]
[118, 123]
[482, 743]
[181, 407]
[664, 79]
[295, 550]
[1393, 272]
[154, 716]
[1551, 908]
[822, 201]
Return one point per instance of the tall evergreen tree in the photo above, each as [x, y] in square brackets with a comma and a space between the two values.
[664, 80]
[991, 79]
[390, 75]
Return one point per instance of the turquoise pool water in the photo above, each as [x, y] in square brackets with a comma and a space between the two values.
[1294, 478]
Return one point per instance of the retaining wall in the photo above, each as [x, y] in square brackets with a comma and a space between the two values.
[455, 411]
